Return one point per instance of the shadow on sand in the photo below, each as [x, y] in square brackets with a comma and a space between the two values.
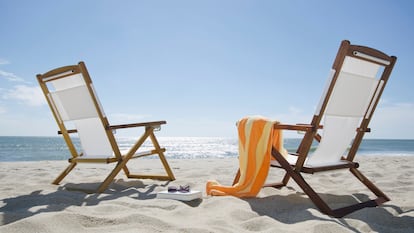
[36, 202]
[297, 207]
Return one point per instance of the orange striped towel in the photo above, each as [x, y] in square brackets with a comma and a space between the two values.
[256, 137]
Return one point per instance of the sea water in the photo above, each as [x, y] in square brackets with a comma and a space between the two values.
[55, 148]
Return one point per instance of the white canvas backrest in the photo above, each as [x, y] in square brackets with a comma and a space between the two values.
[349, 101]
[73, 102]
[353, 89]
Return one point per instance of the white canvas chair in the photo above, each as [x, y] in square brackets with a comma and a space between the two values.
[71, 96]
[359, 75]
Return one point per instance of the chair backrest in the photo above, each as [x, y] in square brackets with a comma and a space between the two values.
[352, 93]
[73, 101]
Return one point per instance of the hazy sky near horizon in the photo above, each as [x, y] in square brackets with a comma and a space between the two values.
[200, 65]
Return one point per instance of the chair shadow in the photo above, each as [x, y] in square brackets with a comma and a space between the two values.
[36, 202]
[295, 208]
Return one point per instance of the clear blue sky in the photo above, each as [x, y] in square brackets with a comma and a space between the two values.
[200, 65]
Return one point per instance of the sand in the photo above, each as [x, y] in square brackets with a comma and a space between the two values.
[30, 203]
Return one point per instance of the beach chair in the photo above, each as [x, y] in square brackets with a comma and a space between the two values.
[358, 77]
[73, 101]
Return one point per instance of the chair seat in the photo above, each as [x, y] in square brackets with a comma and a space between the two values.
[309, 164]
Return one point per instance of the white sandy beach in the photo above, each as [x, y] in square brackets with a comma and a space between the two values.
[29, 203]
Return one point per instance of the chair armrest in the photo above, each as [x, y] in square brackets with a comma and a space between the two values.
[69, 131]
[142, 124]
[367, 130]
[124, 126]
[297, 127]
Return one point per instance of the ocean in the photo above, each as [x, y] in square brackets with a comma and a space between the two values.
[54, 148]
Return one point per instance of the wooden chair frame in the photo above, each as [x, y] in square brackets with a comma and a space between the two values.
[311, 133]
[120, 159]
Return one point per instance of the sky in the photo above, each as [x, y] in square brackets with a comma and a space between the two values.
[200, 65]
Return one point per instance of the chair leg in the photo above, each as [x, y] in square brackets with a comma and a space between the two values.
[285, 178]
[159, 151]
[237, 177]
[64, 173]
[122, 164]
[316, 199]
[281, 184]
[112, 175]
[162, 157]
[320, 203]
[371, 186]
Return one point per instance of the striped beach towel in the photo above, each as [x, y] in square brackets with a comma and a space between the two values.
[256, 137]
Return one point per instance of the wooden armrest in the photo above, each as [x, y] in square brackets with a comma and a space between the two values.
[297, 127]
[69, 131]
[367, 130]
[146, 124]
[123, 126]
